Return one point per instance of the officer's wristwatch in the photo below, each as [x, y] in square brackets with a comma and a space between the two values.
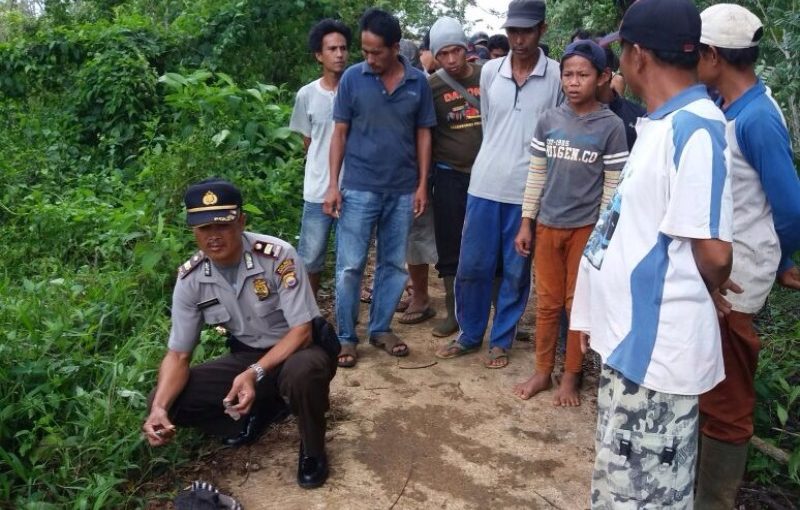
[258, 370]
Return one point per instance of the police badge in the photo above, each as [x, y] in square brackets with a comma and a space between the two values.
[261, 288]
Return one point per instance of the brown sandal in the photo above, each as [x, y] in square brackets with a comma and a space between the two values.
[388, 342]
[347, 357]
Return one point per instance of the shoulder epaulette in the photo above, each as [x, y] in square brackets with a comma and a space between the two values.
[191, 264]
[267, 249]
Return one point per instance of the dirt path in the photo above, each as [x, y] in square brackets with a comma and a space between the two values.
[448, 436]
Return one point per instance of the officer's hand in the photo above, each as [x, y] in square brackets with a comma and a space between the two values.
[724, 306]
[584, 342]
[157, 428]
[420, 201]
[523, 243]
[243, 392]
[790, 278]
[332, 205]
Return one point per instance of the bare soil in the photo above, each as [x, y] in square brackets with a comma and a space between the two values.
[418, 432]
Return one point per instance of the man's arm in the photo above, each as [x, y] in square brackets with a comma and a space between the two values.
[306, 143]
[764, 141]
[424, 165]
[713, 258]
[243, 389]
[172, 377]
[333, 197]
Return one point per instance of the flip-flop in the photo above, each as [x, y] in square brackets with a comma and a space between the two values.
[348, 349]
[418, 316]
[387, 342]
[454, 349]
[496, 353]
[405, 300]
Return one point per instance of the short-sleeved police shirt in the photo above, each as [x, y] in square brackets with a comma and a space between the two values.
[271, 296]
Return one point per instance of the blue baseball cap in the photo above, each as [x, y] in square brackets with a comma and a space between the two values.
[587, 49]
[664, 25]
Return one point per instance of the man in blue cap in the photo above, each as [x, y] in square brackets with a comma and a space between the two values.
[657, 255]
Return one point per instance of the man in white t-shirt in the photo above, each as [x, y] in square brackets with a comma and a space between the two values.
[312, 117]
[657, 254]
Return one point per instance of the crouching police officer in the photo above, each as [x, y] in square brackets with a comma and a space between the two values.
[255, 287]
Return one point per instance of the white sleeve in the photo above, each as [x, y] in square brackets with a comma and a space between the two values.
[300, 122]
[700, 204]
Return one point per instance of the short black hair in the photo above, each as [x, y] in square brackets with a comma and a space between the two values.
[545, 49]
[744, 58]
[686, 61]
[325, 27]
[382, 24]
[580, 33]
[498, 41]
[612, 61]
[425, 45]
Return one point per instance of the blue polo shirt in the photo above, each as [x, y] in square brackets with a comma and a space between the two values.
[381, 150]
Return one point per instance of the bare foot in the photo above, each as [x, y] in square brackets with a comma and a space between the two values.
[567, 393]
[535, 384]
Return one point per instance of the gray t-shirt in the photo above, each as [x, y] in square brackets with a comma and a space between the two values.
[509, 114]
[312, 117]
[578, 148]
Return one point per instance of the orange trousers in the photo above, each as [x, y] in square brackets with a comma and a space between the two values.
[557, 254]
[727, 410]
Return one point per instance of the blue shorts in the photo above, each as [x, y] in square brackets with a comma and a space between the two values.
[315, 231]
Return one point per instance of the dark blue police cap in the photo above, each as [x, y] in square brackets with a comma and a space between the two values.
[212, 201]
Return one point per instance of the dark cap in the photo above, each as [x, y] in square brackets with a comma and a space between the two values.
[664, 25]
[524, 14]
[212, 201]
[589, 50]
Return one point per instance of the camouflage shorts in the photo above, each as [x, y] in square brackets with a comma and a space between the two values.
[646, 446]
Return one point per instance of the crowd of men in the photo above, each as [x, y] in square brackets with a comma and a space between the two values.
[655, 231]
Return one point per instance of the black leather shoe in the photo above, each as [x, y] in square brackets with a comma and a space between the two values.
[311, 471]
[254, 425]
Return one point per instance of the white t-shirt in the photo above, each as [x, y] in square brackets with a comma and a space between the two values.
[313, 118]
[639, 294]
[509, 114]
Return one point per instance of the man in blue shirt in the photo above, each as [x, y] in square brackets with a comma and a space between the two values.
[766, 219]
[383, 114]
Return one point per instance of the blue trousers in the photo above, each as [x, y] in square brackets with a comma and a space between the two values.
[488, 241]
[390, 215]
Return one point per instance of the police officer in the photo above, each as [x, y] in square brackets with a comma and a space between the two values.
[255, 287]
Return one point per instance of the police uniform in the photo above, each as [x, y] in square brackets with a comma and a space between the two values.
[271, 295]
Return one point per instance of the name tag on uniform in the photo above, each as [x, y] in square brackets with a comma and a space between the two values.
[209, 302]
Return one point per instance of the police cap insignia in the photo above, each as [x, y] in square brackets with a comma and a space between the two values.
[210, 198]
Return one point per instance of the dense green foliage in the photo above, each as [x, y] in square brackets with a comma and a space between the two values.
[108, 108]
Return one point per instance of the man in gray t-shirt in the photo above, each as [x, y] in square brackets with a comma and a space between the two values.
[312, 117]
